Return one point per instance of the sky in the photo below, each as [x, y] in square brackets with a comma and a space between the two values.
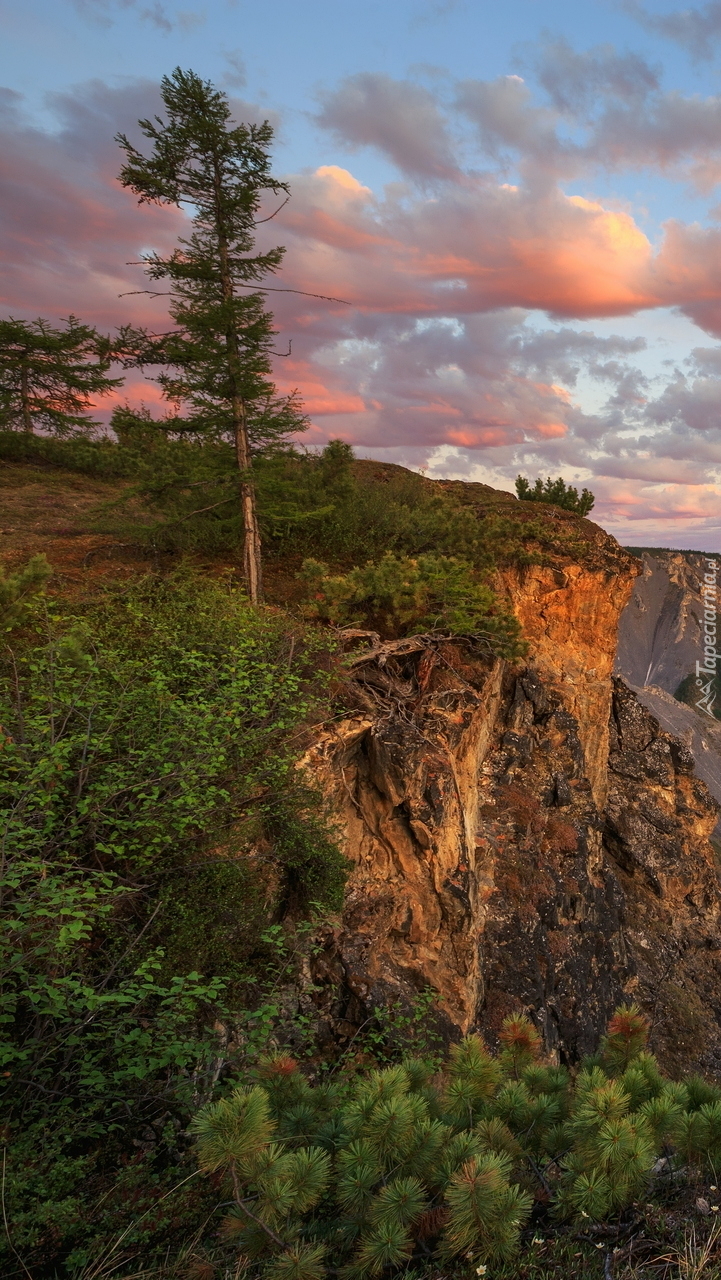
[517, 206]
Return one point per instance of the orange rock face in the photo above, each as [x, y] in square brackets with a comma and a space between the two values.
[523, 836]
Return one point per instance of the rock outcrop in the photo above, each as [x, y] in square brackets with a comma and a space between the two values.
[523, 836]
[699, 732]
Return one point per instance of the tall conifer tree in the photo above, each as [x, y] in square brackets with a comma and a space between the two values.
[50, 377]
[218, 356]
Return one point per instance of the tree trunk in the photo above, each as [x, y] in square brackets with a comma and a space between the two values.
[252, 562]
[25, 399]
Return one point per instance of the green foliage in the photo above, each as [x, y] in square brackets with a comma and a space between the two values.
[18, 589]
[221, 346]
[136, 430]
[625, 1038]
[100, 457]
[49, 378]
[328, 506]
[409, 1165]
[402, 1027]
[403, 595]
[151, 819]
[365, 1197]
[325, 506]
[556, 492]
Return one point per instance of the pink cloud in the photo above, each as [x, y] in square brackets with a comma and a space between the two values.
[482, 246]
[434, 350]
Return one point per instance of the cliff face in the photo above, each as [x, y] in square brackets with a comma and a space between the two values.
[659, 636]
[659, 643]
[523, 836]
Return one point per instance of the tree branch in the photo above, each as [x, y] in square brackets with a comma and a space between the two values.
[280, 206]
[258, 1221]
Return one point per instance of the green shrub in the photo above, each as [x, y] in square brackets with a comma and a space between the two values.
[152, 821]
[402, 595]
[322, 505]
[94, 457]
[18, 589]
[364, 1175]
[357, 1181]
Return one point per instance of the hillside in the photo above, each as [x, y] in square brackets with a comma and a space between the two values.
[569, 598]
[342, 845]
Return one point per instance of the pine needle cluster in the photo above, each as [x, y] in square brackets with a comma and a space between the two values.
[364, 1176]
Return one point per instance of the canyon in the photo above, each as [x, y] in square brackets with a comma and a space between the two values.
[523, 836]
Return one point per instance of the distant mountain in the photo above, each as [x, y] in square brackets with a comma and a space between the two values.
[659, 642]
[659, 638]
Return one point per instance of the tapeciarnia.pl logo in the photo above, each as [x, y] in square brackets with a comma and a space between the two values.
[706, 670]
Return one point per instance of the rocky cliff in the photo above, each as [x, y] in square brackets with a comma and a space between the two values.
[659, 637]
[659, 643]
[523, 836]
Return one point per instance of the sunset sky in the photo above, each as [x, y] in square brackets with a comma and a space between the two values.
[521, 203]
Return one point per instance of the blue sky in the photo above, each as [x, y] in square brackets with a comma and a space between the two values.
[564, 155]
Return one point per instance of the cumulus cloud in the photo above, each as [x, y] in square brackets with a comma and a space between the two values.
[696, 30]
[604, 111]
[576, 81]
[400, 118]
[458, 349]
[508, 121]
[485, 244]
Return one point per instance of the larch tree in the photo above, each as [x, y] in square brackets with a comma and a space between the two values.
[50, 377]
[217, 359]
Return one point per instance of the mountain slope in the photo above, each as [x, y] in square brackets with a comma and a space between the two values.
[659, 643]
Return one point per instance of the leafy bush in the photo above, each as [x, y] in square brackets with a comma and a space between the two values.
[557, 493]
[135, 738]
[402, 595]
[147, 761]
[359, 1176]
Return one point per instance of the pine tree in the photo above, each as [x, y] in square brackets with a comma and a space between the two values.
[557, 493]
[218, 356]
[379, 1170]
[403, 595]
[49, 377]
